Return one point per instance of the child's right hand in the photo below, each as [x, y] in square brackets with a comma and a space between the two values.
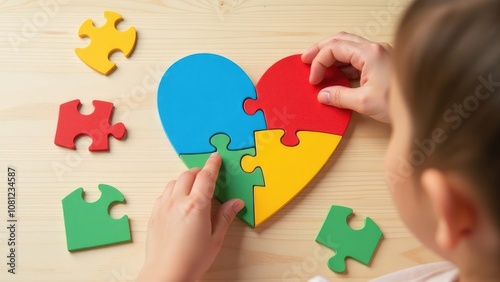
[359, 58]
[183, 238]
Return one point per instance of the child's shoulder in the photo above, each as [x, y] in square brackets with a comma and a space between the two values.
[432, 272]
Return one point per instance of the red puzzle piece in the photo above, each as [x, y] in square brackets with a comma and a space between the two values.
[289, 101]
[72, 124]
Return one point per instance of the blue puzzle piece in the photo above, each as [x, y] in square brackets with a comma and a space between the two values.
[202, 95]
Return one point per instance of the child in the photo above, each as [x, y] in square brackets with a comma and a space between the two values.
[440, 89]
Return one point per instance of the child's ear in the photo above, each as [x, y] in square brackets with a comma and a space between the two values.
[454, 211]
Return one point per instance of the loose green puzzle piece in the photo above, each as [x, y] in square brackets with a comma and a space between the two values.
[89, 224]
[347, 242]
[233, 182]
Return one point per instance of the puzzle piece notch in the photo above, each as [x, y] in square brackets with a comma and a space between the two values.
[105, 40]
[72, 124]
[201, 95]
[337, 235]
[289, 101]
[233, 182]
[89, 225]
[287, 170]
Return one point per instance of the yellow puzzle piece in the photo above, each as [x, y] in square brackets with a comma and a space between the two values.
[287, 170]
[104, 41]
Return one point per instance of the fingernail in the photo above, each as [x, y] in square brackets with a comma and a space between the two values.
[214, 154]
[324, 97]
[238, 206]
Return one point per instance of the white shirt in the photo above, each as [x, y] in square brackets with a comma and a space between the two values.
[432, 272]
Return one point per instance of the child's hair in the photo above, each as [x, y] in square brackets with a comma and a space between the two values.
[447, 65]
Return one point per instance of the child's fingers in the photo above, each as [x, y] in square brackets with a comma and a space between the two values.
[167, 192]
[204, 185]
[156, 206]
[309, 55]
[345, 98]
[185, 182]
[343, 51]
[343, 36]
[223, 218]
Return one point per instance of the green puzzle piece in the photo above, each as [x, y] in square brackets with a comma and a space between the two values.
[347, 242]
[89, 224]
[233, 182]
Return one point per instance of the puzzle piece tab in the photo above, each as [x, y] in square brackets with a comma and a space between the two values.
[72, 124]
[201, 95]
[347, 242]
[287, 170]
[104, 41]
[290, 102]
[233, 182]
[89, 224]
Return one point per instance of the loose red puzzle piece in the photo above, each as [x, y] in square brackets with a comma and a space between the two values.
[97, 125]
[289, 101]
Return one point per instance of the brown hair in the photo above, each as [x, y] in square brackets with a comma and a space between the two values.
[447, 64]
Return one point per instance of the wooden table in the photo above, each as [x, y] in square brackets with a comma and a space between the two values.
[39, 70]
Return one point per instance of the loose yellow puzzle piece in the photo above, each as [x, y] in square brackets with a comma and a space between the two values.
[286, 170]
[104, 41]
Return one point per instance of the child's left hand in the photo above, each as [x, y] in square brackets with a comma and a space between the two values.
[183, 239]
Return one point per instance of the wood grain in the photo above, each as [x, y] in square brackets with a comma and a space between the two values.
[39, 71]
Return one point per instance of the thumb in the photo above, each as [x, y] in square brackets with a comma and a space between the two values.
[223, 218]
[343, 97]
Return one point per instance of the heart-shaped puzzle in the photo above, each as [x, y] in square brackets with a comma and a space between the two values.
[273, 138]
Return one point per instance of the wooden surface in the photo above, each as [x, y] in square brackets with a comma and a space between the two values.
[39, 70]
